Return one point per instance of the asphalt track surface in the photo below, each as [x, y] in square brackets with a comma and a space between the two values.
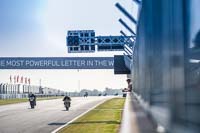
[46, 117]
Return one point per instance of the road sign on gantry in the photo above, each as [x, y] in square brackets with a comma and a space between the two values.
[79, 41]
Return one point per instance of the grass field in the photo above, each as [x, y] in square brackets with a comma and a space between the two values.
[105, 118]
[13, 101]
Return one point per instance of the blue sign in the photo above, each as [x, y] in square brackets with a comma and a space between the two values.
[57, 63]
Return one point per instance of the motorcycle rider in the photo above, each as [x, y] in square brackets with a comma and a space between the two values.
[67, 101]
[32, 99]
[86, 94]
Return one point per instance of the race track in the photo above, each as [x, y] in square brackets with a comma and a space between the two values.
[46, 117]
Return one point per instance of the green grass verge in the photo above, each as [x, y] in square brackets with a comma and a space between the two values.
[105, 118]
[13, 101]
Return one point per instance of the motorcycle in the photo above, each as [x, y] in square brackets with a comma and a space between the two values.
[67, 105]
[32, 102]
[67, 102]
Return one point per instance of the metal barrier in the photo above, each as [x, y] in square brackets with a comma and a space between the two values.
[165, 76]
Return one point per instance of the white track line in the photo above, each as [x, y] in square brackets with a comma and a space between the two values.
[56, 130]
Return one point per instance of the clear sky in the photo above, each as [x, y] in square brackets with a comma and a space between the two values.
[37, 28]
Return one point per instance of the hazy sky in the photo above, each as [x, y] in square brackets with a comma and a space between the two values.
[38, 28]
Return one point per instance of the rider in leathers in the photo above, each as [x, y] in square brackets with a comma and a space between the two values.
[67, 99]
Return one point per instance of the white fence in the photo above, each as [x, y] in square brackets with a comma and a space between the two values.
[9, 91]
[12, 96]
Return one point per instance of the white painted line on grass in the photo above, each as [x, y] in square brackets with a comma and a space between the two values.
[56, 130]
